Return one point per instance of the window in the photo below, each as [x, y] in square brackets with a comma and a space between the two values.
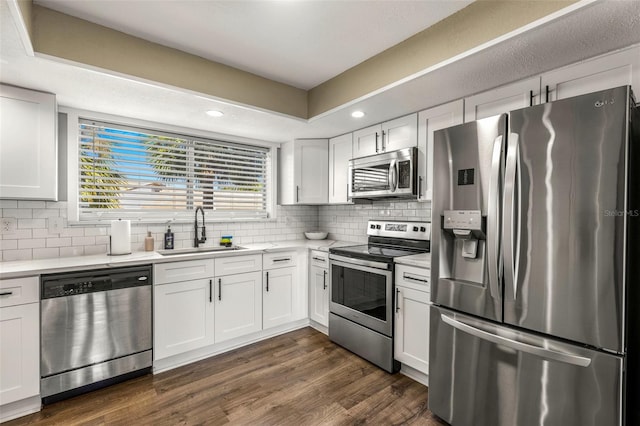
[129, 172]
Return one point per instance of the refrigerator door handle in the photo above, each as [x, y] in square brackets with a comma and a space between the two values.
[508, 225]
[566, 358]
[493, 219]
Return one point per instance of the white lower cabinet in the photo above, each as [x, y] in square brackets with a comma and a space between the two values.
[411, 339]
[183, 317]
[19, 341]
[183, 307]
[319, 288]
[238, 305]
[278, 296]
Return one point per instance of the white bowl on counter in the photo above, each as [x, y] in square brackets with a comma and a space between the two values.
[316, 235]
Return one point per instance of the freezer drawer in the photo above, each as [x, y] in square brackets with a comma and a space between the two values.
[482, 374]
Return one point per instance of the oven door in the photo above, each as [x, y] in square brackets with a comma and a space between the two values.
[392, 174]
[362, 292]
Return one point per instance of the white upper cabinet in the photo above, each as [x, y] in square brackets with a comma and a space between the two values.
[340, 152]
[367, 141]
[388, 136]
[429, 121]
[502, 99]
[304, 172]
[28, 144]
[604, 72]
[400, 133]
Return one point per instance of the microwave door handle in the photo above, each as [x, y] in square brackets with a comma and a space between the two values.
[393, 176]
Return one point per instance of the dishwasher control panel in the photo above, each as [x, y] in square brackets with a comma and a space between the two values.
[71, 284]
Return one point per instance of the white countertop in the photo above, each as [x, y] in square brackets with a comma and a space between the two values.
[23, 268]
[422, 260]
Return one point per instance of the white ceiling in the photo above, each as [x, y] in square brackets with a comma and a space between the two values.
[591, 29]
[300, 43]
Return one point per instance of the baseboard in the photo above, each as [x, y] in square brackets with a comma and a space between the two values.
[317, 326]
[414, 374]
[26, 406]
[176, 361]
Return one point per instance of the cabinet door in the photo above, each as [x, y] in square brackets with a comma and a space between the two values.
[183, 317]
[19, 352]
[367, 141]
[503, 99]
[340, 152]
[238, 305]
[278, 296]
[429, 121]
[319, 287]
[28, 147]
[400, 133]
[604, 72]
[412, 328]
[311, 165]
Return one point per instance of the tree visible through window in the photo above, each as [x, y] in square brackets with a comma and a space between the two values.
[127, 171]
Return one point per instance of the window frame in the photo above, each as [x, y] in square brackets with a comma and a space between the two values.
[72, 165]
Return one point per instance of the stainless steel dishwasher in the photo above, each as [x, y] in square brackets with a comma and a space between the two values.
[95, 329]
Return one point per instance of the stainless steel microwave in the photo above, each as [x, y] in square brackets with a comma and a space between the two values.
[387, 175]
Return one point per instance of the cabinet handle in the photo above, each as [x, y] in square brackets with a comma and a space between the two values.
[546, 90]
[531, 97]
[319, 259]
[6, 293]
[267, 281]
[297, 193]
[376, 142]
[219, 288]
[383, 137]
[397, 300]
[210, 291]
[406, 276]
[283, 259]
[324, 280]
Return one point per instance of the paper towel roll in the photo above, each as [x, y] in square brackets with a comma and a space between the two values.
[120, 237]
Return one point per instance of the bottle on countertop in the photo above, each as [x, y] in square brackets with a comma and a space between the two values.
[148, 242]
[168, 239]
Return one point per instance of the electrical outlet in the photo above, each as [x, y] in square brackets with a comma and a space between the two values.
[385, 212]
[55, 225]
[8, 225]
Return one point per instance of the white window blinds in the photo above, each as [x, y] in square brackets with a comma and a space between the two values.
[140, 173]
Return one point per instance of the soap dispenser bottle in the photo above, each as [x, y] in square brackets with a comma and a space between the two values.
[148, 242]
[168, 239]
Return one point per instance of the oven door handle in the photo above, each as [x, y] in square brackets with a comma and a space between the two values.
[360, 264]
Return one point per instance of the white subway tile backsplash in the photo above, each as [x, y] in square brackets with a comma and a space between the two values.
[25, 254]
[32, 243]
[45, 253]
[24, 204]
[32, 238]
[58, 242]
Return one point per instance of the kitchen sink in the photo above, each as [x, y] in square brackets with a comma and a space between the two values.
[192, 250]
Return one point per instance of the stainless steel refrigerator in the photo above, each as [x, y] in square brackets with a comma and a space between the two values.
[535, 289]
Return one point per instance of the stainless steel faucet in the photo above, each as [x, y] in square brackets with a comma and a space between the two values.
[197, 241]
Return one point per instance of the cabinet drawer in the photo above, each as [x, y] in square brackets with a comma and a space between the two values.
[413, 277]
[238, 264]
[320, 259]
[182, 271]
[280, 259]
[19, 291]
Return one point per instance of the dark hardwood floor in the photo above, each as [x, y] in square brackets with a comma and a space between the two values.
[299, 378]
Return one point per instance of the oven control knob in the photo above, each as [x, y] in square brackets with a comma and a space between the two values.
[372, 227]
[423, 229]
[415, 229]
[378, 227]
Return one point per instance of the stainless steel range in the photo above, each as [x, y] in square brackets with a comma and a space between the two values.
[362, 289]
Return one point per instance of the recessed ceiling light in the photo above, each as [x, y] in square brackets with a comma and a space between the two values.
[214, 113]
[357, 114]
